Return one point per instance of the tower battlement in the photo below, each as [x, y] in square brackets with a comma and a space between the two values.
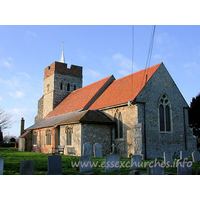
[61, 68]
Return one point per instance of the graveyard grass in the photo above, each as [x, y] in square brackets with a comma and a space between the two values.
[12, 158]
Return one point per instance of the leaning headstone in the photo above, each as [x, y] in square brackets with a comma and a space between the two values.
[112, 162]
[156, 168]
[183, 155]
[87, 149]
[54, 165]
[97, 150]
[168, 159]
[85, 164]
[136, 161]
[26, 167]
[1, 165]
[184, 167]
[196, 156]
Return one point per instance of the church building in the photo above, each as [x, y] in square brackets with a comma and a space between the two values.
[143, 113]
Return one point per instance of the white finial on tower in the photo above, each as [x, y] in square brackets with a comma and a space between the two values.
[62, 58]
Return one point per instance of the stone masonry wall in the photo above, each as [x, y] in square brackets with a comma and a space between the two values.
[100, 133]
[40, 110]
[48, 95]
[59, 94]
[75, 147]
[157, 142]
[125, 146]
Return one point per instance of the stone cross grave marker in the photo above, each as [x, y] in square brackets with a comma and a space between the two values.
[183, 155]
[168, 160]
[114, 149]
[196, 156]
[85, 164]
[54, 165]
[112, 162]
[26, 167]
[87, 149]
[184, 167]
[156, 168]
[1, 165]
[97, 150]
[136, 161]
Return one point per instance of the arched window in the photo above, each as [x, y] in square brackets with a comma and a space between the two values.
[118, 125]
[34, 139]
[165, 114]
[61, 86]
[68, 132]
[68, 86]
[48, 137]
[48, 87]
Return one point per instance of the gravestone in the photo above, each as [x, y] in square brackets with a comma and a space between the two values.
[184, 167]
[54, 165]
[168, 160]
[156, 168]
[112, 162]
[1, 165]
[26, 167]
[22, 144]
[97, 150]
[183, 155]
[138, 138]
[196, 156]
[134, 172]
[85, 164]
[87, 149]
[136, 161]
[114, 148]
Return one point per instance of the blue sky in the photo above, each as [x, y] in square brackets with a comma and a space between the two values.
[102, 50]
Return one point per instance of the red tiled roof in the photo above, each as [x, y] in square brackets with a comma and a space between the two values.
[121, 90]
[80, 98]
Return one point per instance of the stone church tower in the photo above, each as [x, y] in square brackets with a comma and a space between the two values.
[59, 81]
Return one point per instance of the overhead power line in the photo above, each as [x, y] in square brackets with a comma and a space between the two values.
[149, 56]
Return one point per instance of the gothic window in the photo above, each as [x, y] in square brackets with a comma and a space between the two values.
[48, 137]
[165, 114]
[74, 87]
[34, 138]
[61, 86]
[68, 86]
[68, 135]
[118, 125]
[48, 87]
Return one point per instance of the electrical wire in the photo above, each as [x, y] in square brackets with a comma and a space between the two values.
[149, 56]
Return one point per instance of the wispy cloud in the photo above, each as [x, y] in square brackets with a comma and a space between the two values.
[92, 73]
[192, 69]
[6, 62]
[29, 33]
[82, 54]
[17, 94]
[24, 74]
[1, 98]
[123, 64]
[18, 113]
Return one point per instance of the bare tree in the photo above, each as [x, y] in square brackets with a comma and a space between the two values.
[5, 119]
